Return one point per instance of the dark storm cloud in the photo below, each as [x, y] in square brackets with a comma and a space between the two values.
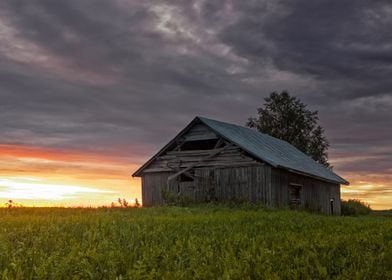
[104, 74]
[329, 40]
[380, 164]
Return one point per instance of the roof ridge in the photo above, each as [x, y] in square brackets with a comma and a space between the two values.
[249, 128]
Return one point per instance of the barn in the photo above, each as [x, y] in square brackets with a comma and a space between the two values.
[210, 160]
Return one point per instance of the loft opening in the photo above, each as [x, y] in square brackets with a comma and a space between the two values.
[207, 144]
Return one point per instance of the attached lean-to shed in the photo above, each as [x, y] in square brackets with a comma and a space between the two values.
[211, 160]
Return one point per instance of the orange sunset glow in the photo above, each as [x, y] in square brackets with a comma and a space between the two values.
[35, 176]
[46, 177]
[372, 187]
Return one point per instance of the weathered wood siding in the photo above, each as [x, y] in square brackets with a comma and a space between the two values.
[174, 160]
[199, 132]
[246, 183]
[258, 183]
[152, 185]
[315, 194]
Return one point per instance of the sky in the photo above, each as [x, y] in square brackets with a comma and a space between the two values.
[89, 90]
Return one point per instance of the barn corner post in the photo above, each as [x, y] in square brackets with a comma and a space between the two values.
[331, 202]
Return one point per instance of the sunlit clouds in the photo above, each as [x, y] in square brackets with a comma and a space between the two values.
[370, 176]
[89, 90]
[35, 189]
[35, 176]
[378, 196]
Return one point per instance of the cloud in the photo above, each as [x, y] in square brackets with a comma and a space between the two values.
[30, 189]
[109, 76]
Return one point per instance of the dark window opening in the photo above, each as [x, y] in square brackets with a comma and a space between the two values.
[186, 177]
[199, 145]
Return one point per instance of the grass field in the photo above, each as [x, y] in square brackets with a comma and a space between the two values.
[211, 242]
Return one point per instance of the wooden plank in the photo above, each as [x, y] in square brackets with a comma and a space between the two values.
[206, 164]
[207, 136]
[145, 201]
[200, 132]
[213, 154]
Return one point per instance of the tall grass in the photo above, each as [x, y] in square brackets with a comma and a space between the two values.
[214, 242]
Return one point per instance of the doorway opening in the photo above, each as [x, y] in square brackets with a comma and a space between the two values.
[295, 195]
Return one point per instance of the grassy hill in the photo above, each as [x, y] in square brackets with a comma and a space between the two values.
[192, 243]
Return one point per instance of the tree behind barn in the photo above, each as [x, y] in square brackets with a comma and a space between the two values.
[286, 117]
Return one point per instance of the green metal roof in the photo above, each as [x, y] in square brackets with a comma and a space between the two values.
[275, 152]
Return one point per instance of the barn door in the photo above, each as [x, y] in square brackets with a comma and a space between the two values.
[187, 186]
[295, 196]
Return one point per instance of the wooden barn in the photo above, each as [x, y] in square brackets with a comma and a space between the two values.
[211, 160]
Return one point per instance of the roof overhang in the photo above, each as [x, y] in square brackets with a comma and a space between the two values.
[342, 182]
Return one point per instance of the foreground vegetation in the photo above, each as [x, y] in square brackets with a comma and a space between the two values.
[354, 207]
[192, 243]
